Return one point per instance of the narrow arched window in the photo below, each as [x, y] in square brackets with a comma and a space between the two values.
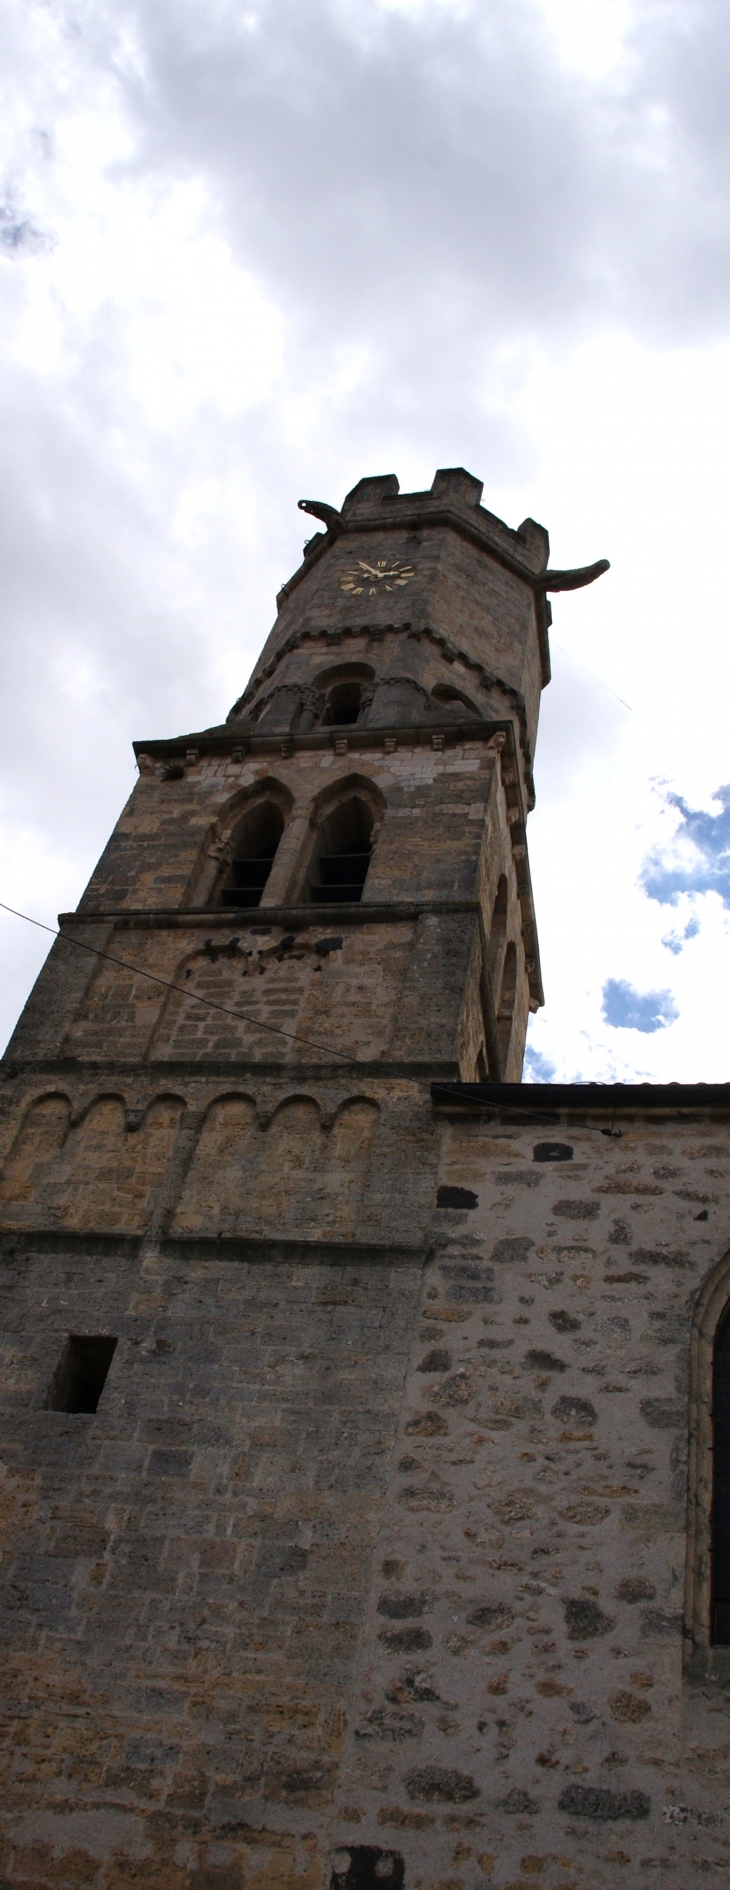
[720, 1628]
[508, 991]
[255, 844]
[498, 927]
[343, 854]
[342, 707]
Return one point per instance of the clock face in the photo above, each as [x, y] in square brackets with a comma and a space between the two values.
[367, 579]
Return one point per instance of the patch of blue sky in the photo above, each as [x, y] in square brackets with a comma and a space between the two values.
[697, 859]
[538, 1068]
[625, 1008]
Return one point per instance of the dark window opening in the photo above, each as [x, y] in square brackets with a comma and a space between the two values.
[365, 1867]
[253, 855]
[498, 929]
[80, 1375]
[507, 997]
[343, 704]
[453, 698]
[720, 1626]
[345, 846]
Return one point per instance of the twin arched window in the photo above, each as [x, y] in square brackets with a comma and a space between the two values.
[337, 867]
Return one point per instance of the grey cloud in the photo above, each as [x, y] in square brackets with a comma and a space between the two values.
[446, 167]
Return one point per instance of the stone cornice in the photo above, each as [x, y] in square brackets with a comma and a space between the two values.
[571, 1102]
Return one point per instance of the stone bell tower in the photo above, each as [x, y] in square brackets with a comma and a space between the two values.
[219, 1183]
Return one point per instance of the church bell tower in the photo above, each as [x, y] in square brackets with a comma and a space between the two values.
[220, 1197]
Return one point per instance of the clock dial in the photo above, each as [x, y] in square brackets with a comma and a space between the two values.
[363, 579]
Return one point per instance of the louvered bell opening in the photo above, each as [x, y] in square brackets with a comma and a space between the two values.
[247, 879]
[342, 877]
[256, 843]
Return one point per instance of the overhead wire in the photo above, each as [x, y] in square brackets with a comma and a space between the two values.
[294, 1036]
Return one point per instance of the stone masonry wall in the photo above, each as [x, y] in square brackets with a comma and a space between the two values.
[374, 1552]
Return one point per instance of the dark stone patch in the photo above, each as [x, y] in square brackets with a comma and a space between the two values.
[389, 1726]
[590, 1801]
[431, 1496]
[169, 1463]
[286, 1558]
[517, 1801]
[456, 1198]
[465, 1270]
[437, 1360]
[577, 1210]
[635, 1588]
[563, 1321]
[302, 1784]
[437, 1784]
[468, 1281]
[491, 1615]
[402, 1607]
[512, 1249]
[663, 1414]
[427, 1424]
[584, 1620]
[408, 1640]
[455, 1390]
[620, 1235]
[574, 1411]
[672, 1327]
[661, 1257]
[544, 1362]
[656, 1623]
[582, 1712]
[552, 1152]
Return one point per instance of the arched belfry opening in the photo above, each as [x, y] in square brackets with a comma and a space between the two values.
[720, 1605]
[254, 847]
[343, 704]
[342, 853]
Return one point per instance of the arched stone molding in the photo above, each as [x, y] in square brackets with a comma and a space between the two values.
[292, 1174]
[32, 1156]
[99, 1172]
[712, 1301]
[349, 1145]
[220, 1171]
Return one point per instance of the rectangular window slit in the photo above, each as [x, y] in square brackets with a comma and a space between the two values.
[81, 1372]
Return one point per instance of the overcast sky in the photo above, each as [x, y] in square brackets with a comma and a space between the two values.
[254, 249]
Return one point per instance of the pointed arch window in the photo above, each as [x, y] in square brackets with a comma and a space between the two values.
[342, 858]
[720, 1612]
[254, 848]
